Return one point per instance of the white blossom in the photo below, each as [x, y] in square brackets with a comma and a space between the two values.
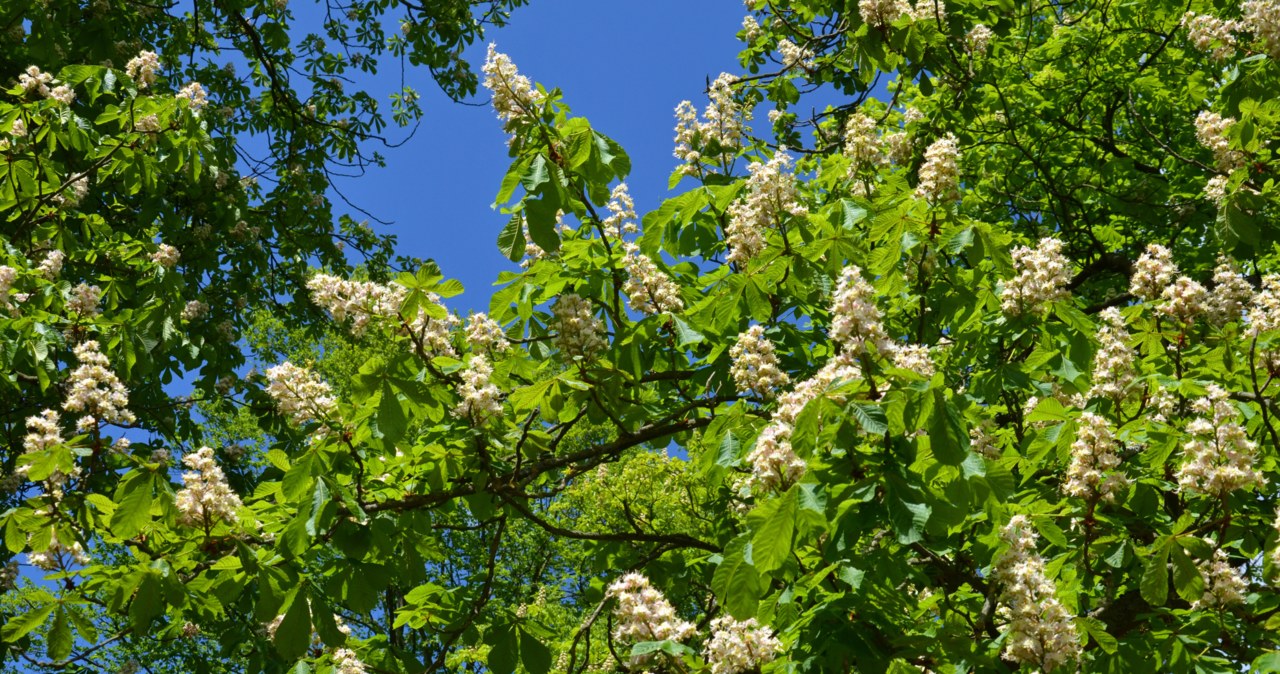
[622, 213]
[1218, 456]
[772, 195]
[881, 13]
[52, 558]
[205, 498]
[8, 276]
[1215, 189]
[142, 68]
[1039, 630]
[1184, 300]
[719, 135]
[578, 333]
[861, 144]
[940, 173]
[978, 41]
[751, 30]
[1211, 131]
[649, 290]
[1093, 471]
[35, 80]
[51, 266]
[197, 97]
[300, 394]
[485, 333]
[855, 318]
[1264, 309]
[514, 97]
[84, 300]
[739, 646]
[794, 56]
[1224, 585]
[194, 309]
[644, 614]
[346, 662]
[18, 128]
[1113, 371]
[94, 388]
[481, 399]
[1211, 34]
[916, 358]
[166, 256]
[1262, 18]
[1042, 276]
[360, 301]
[1231, 292]
[983, 440]
[755, 365]
[1152, 273]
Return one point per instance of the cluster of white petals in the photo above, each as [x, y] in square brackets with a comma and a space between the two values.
[481, 399]
[142, 68]
[940, 174]
[1152, 273]
[644, 614]
[51, 266]
[930, 10]
[1184, 300]
[755, 365]
[1113, 371]
[1264, 309]
[622, 213]
[8, 276]
[51, 558]
[855, 318]
[916, 358]
[881, 13]
[1040, 631]
[978, 41]
[346, 662]
[649, 290]
[193, 310]
[794, 56]
[95, 389]
[1094, 461]
[43, 432]
[33, 80]
[300, 394]
[1211, 131]
[751, 30]
[862, 144]
[1042, 276]
[772, 194]
[1219, 455]
[205, 498]
[718, 135]
[579, 334]
[433, 332]
[19, 128]
[361, 301]
[1223, 584]
[485, 333]
[738, 646]
[1215, 190]
[84, 300]
[1262, 18]
[166, 256]
[983, 440]
[1211, 34]
[1231, 292]
[197, 97]
[514, 96]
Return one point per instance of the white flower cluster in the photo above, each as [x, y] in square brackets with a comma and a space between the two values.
[622, 213]
[485, 333]
[514, 97]
[1264, 310]
[194, 309]
[914, 357]
[1184, 300]
[95, 389]
[751, 30]
[862, 144]
[1223, 584]
[34, 80]
[8, 275]
[1094, 461]
[1113, 371]
[1231, 292]
[346, 662]
[881, 13]
[51, 266]
[481, 400]
[1211, 131]
[205, 498]
[19, 128]
[300, 394]
[978, 41]
[772, 193]
[755, 365]
[1215, 190]
[142, 68]
[718, 136]
[1152, 273]
[1042, 276]
[166, 256]
[43, 432]
[649, 290]
[1040, 630]
[940, 174]
[1219, 455]
[793, 55]
[738, 646]
[1262, 18]
[197, 97]
[361, 301]
[579, 334]
[433, 333]
[983, 440]
[1209, 33]
[50, 559]
[644, 614]
[773, 461]
[930, 10]
[855, 318]
[84, 300]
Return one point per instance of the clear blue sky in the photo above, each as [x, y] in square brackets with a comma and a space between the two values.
[622, 65]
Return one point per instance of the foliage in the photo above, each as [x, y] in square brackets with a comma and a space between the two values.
[1010, 403]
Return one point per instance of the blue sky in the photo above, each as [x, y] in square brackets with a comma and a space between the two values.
[622, 65]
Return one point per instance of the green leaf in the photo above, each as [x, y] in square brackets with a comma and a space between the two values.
[736, 582]
[686, 335]
[852, 213]
[947, 435]
[392, 421]
[1155, 575]
[59, 639]
[511, 238]
[1186, 577]
[672, 648]
[870, 416]
[134, 511]
[541, 217]
[771, 544]
[294, 633]
[23, 623]
[534, 654]
[503, 650]
[1266, 663]
[147, 603]
[1098, 630]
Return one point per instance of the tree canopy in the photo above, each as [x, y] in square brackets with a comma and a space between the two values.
[977, 374]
